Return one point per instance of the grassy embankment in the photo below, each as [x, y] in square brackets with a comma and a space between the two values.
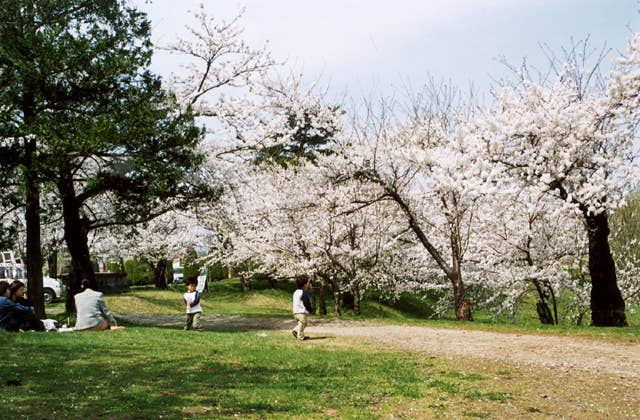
[226, 298]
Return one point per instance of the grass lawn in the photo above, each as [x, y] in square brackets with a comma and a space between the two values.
[148, 372]
[152, 372]
[224, 298]
[144, 372]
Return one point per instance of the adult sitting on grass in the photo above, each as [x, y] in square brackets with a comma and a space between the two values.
[14, 316]
[17, 294]
[93, 313]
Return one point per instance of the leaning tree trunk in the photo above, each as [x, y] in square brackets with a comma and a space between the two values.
[542, 306]
[607, 305]
[76, 231]
[462, 304]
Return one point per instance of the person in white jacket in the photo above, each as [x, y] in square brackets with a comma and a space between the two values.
[92, 311]
[301, 307]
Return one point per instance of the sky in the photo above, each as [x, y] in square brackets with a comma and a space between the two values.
[376, 47]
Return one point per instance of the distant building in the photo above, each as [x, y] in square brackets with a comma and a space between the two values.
[11, 267]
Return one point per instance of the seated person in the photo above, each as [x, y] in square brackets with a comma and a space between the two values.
[17, 294]
[14, 316]
[93, 314]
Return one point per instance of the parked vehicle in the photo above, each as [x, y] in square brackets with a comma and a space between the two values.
[178, 275]
[53, 289]
[11, 268]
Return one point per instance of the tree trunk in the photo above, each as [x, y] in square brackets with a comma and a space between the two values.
[542, 307]
[32, 211]
[245, 281]
[322, 306]
[160, 274]
[356, 299]
[76, 231]
[335, 289]
[462, 304]
[314, 299]
[347, 300]
[32, 219]
[607, 305]
[52, 262]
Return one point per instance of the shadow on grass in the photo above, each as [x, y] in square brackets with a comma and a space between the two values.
[150, 373]
[326, 337]
[210, 323]
[139, 387]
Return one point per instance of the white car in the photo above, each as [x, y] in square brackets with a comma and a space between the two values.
[52, 289]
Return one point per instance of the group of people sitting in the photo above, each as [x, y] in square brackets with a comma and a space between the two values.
[17, 313]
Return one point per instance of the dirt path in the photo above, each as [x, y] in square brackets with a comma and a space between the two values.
[565, 353]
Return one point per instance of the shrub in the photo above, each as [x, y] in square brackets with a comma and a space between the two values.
[138, 273]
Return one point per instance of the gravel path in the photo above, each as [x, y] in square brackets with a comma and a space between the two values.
[564, 353]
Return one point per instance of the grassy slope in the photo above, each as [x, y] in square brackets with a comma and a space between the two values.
[227, 298]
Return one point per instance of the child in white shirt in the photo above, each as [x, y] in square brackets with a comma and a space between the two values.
[301, 307]
[194, 310]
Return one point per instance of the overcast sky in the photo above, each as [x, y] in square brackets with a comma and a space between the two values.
[359, 47]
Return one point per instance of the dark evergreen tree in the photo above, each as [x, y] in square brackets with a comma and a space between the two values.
[90, 119]
[307, 141]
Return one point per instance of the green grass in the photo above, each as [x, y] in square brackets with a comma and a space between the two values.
[144, 372]
[224, 298]
[227, 298]
[148, 373]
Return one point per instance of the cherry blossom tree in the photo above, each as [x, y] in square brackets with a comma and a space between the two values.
[155, 243]
[527, 240]
[625, 236]
[574, 141]
[282, 122]
[292, 222]
[421, 165]
[214, 56]
[431, 185]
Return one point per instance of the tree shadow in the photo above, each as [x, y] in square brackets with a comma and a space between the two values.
[324, 337]
[210, 323]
